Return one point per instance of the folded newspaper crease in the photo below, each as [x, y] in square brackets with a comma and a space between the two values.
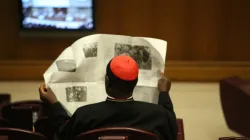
[77, 75]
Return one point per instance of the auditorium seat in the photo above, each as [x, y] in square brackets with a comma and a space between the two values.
[43, 126]
[19, 134]
[39, 109]
[117, 133]
[235, 100]
[233, 138]
[4, 99]
[180, 134]
[4, 123]
[19, 117]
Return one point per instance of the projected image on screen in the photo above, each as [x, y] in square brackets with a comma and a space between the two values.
[58, 14]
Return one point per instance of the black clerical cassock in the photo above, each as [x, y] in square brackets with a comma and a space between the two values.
[159, 119]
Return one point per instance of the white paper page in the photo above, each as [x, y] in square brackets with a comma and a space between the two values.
[159, 45]
[110, 46]
[89, 42]
[64, 63]
[65, 77]
[89, 57]
[149, 59]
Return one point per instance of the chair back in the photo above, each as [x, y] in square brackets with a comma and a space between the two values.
[19, 117]
[180, 133]
[43, 126]
[4, 123]
[233, 138]
[4, 99]
[235, 100]
[19, 134]
[117, 133]
[37, 106]
[39, 109]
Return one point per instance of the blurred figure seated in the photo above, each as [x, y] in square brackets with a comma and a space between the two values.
[119, 109]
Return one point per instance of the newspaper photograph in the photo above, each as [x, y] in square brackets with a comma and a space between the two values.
[66, 65]
[58, 65]
[141, 54]
[88, 57]
[77, 94]
[77, 76]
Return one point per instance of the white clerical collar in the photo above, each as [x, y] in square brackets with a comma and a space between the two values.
[131, 97]
[109, 98]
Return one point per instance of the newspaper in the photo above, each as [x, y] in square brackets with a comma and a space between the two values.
[77, 75]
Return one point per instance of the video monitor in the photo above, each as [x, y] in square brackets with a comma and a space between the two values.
[57, 15]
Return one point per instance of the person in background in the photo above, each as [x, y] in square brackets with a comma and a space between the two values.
[119, 109]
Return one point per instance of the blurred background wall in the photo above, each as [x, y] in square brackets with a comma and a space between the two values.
[207, 40]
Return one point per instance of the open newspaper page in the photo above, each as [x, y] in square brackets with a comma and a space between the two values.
[150, 58]
[109, 43]
[88, 54]
[64, 65]
[77, 75]
[150, 62]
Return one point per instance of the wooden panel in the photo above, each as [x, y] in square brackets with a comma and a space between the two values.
[171, 23]
[206, 71]
[23, 70]
[203, 31]
[175, 70]
[237, 30]
[208, 30]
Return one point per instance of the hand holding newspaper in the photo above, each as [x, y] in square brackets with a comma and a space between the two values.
[77, 75]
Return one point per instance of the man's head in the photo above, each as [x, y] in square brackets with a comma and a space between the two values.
[121, 76]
